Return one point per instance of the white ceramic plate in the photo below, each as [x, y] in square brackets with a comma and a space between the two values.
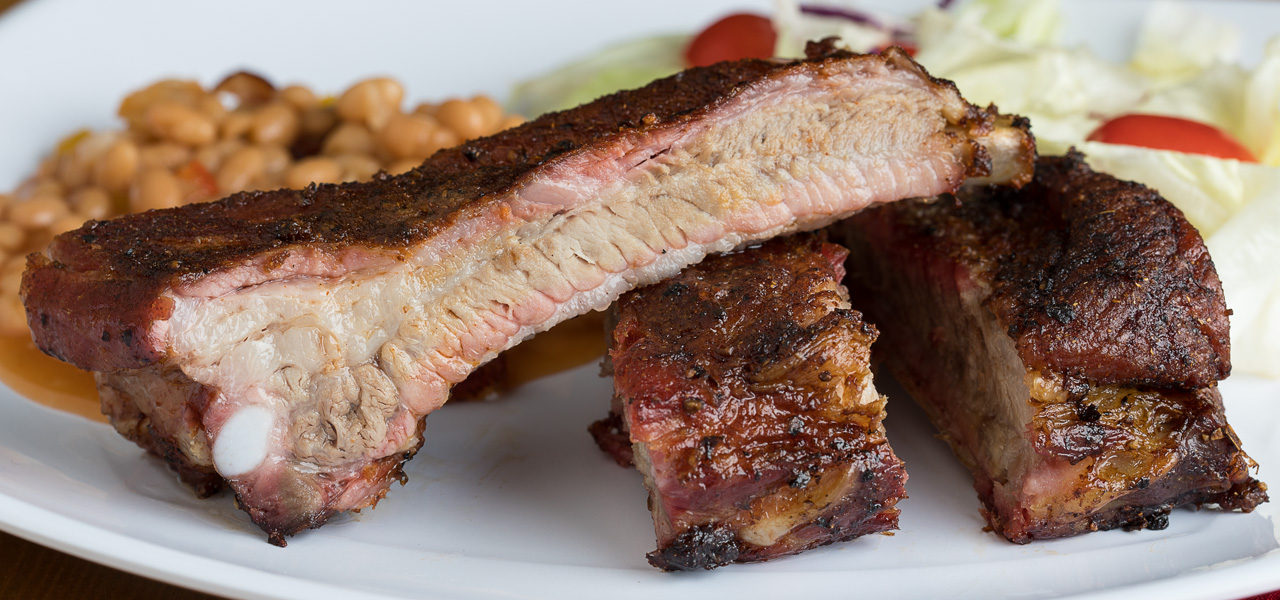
[511, 499]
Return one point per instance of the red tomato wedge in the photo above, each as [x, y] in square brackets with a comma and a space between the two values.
[1171, 133]
[735, 37]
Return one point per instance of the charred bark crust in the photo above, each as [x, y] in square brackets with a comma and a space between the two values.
[1100, 331]
[743, 392]
[703, 547]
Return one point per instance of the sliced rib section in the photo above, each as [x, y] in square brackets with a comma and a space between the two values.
[1067, 340]
[321, 325]
[743, 393]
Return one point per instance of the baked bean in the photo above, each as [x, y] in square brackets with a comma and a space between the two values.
[40, 187]
[66, 223]
[154, 189]
[14, 264]
[212, 107]
[409, 136]
[267, 183]
[13, 317]
[135, 106]
[249, 88]
[48, 187]
[150, 164]
[180, 123]
[512, 121]
[48, 168]
[38, 211]
[356, 167]
[163, 155]
[236, 124]
[74, 169]
[211, 156]
[241, 169]
[490, 110]
[10, 282]
[463, 118]
[348, 138]
[11, 277]
[275, 123]
[372, 102]
[316, 169]
[317, 121]
[91, 203]
[117, 166]
[299, 97]
[11, 237]
[444, 138]
[426, 108]
[275, 160]
[403, 165]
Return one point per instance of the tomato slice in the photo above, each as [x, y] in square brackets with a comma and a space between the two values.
[1171, 133]
[735, 37]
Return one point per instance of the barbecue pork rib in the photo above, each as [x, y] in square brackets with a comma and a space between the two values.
[306, 333]
[743, 393]
[1067, 340]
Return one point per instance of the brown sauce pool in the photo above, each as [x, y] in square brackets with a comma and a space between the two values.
[47, 380]
[60, 386]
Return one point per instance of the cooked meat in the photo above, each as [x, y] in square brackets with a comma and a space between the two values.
[157, 408]
[1067, 340]
[325, 323]
[744, 385]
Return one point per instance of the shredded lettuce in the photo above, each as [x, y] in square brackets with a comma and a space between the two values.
[1213, 96]
[1259, 129]
[1244, 250]
[1065, 92]
[795, 29]
[1184, 66]
[1034, 22]
[627, 65]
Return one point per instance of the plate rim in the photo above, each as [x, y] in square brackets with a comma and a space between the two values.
[86, 540]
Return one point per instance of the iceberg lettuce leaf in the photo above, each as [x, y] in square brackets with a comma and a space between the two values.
[796, 28]
[1065, 92]
[1034, 22]
[622, 66]
[1176, 43]
[1244, 250]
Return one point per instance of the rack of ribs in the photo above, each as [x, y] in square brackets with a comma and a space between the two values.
[290, 343]
[1067, 340]
[743, 393]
